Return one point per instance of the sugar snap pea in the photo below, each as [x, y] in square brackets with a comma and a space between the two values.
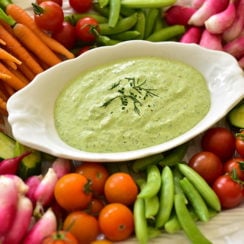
[187, 223]
[174, 156]
[151, 18]
[172, 225]
[103, 3]
[126, 35]
[147, 3]
[141, 23]
[104, 11]
[142, 163]
[141, 231]
[153, 183]
[201, 185]
[166, 197]
[195, 199]
[114, 12]
[106, 40]
[73, 18]
[166, 33]
[151, 206]
[123, 24]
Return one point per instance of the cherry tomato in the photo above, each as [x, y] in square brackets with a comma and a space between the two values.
[72, 192]
[208, 165]
[228, 191]
[116, 221]
[236, 164]
[84, 29]
[95, 206]
[60, 237]
[66, 35]
[59, 2]
[120, 187]
[81, 6]
[220, 141]
[49, 16]
[96, 173]
[83, 226]
[240, 143]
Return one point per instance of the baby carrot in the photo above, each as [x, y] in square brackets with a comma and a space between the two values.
[25, 70]
[8, 56]
[13, 81]
[21, 16]
[3, 107]
[33, 43]
[4, 76]
[15, 47]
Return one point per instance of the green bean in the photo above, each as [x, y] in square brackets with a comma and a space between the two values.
[114, 12]
[127, 35]
[147, 4]
[142, 163]
[172, 225]
[153, 183]
[201, 185]
[73, 18]
[123, 25]
[141, 231]
[187, 223]
[141, 23]
[151, 18]
[151, 206]
[166, 33]
[174, 156]
[166, 197]
[195, 199]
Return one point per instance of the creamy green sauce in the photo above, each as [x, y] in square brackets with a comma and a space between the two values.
[131, 104]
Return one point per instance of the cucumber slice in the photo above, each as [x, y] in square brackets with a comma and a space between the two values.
[236, 116]
[31, 164]
[7, 145]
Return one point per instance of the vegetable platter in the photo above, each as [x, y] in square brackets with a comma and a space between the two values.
[223, 228]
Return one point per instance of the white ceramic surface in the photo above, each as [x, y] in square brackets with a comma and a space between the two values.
[31, 109]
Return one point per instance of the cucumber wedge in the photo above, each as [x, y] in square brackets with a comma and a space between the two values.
[236, 116]
[7, 145]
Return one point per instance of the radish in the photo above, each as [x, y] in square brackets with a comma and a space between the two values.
[10, 165]
[33, 182]
[20, 184]
[45, 226]
[178, 15]
[237, 26]
[241, 62]
[219, 22]
[207, 9]
[235, 47]
[61, 166]
[197, 3]
[192, 35]
[211, 41]
[45, 190]
[21, 222]
[8, 203]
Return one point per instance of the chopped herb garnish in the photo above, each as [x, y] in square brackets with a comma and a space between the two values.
[136, 93]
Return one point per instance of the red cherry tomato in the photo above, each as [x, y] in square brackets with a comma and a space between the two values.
[84, 29]
[236, 164]
[228, 191]
[81, 6]
[59, 2]
[240, 143]
[208, 165]
[66, 35]
[49, 16]
[220, 141]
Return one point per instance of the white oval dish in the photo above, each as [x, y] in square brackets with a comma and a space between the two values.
[31, 109]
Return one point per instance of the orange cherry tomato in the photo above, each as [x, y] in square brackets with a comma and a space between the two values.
[60, 237]
[95, 206]
[97, 173]
[116, 221]
[120, 187]
[73, 192]
[83, 226]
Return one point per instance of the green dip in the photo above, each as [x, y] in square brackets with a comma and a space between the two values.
[131, 104]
